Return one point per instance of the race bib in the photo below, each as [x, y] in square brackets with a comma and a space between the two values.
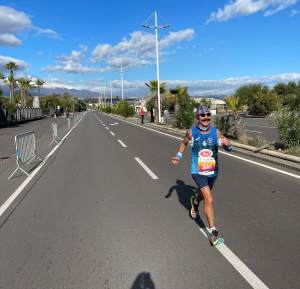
[206, 162]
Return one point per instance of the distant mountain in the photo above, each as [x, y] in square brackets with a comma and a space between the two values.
[83, 93]
[58, 90]
[217, 96]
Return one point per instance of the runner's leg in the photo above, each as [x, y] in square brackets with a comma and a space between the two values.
[208, 206]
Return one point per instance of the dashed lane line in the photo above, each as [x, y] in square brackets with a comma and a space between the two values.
[122, 144]
[150, 173]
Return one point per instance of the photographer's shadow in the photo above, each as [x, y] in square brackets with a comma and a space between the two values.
[184, 193]
[143, 281]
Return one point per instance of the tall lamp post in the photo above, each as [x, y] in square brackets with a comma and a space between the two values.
[121, 70]
[156, 27]
[111, 104]
[122, 82]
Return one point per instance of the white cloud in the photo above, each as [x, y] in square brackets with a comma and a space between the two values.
[246, 7]
[195, 88]
[73, 63]
[102, 51]
[8, 39]
[51, 33]
[5, 59]
[175, 37]
[14, 22]
[138, 49]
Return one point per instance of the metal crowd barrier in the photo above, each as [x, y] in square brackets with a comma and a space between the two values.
[54, 134]
[69, 123]
[25, 151]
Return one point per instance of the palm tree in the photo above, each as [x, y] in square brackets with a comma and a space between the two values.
[236, 105]
[153, 87]
[1, 78]
[152, 105]
[25, 86]
[11, 67]
[176, 94]
[39, 83]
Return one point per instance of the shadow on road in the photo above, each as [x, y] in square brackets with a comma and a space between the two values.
[143, 281]
[184, 193]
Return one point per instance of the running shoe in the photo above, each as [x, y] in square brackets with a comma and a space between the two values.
[194, 207]
[215, 238]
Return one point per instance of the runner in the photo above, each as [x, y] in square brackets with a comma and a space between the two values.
[204, 140]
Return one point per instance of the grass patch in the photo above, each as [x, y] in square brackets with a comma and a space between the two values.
[257, 142]
[295, 151]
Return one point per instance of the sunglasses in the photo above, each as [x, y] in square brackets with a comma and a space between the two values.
[205, 114]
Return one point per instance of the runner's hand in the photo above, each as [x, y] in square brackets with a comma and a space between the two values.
[175, 161]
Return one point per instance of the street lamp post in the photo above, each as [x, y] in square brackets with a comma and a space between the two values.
[122, 83]
[110, 93]
[104, 96]
[156, 27]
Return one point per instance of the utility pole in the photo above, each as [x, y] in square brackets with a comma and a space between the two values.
[110, 94]
[122, 84]
[156, 27]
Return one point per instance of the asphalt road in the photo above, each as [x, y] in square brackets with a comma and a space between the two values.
[94, 218]
[260, 128]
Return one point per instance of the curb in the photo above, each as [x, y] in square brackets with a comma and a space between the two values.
[283, 160]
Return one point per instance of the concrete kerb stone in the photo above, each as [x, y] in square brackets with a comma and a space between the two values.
[278, 158]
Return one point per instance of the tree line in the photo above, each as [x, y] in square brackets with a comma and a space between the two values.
[20, 93]
[260, 100]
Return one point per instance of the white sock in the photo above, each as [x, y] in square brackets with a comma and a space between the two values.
[211, 229]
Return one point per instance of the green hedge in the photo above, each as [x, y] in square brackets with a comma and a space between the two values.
[288, 124]
[122, 108]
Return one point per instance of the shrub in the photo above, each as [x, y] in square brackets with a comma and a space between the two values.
[107, 109]
[230, 125]
[288, 126]
[185, 114]
[124, 109]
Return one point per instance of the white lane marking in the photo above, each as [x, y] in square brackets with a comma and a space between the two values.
[150, 173]
[106, 127]
[224, 153]
[112, 133]
[253, 131]
[260, 125]
[18, 191]
[261, 165]
[238, 265]
[122, 144]
[103, 124]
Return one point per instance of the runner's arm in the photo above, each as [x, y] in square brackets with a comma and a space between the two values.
[182, 146]
[223, 141]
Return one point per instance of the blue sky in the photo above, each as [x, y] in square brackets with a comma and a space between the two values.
[211, 46]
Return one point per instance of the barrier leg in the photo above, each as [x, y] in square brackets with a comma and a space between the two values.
[18, 168]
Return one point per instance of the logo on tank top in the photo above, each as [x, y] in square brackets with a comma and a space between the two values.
[210, 141]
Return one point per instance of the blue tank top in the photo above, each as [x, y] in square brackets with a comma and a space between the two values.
[204, 152]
